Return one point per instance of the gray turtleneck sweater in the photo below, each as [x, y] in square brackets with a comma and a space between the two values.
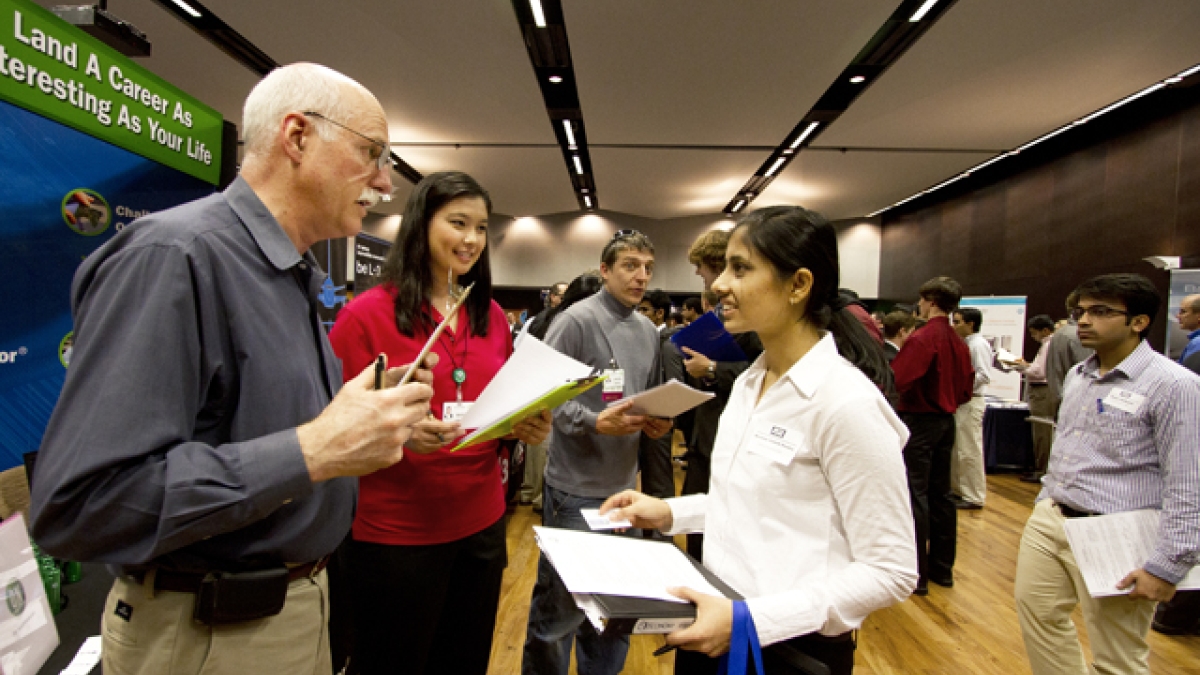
[596, 331]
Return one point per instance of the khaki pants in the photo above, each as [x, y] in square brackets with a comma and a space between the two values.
[967, 476]
[1041, 404]
[1049, 586]
[161, 638]
[535, 467]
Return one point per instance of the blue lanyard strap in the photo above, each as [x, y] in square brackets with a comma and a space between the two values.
[742, 639]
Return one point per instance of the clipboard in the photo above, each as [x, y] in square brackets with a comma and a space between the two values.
[551, 399]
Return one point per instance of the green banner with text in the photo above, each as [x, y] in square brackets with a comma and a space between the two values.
[56, 70]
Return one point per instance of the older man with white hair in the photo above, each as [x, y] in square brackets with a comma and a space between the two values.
[201, 446]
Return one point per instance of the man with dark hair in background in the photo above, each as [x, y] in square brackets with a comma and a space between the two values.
[934, 377]
[968, 480]
[1128, 439]
[1038, 395]
[692, 309]
[654, 455]
[897, 326]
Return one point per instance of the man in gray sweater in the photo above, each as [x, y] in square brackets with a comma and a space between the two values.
[593, 447]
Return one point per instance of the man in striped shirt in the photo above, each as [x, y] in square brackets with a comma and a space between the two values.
[1128, 438]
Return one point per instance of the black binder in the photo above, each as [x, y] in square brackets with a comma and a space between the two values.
[628, 615]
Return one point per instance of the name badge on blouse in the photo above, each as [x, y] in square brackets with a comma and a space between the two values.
[453, 411]
[614, 385]
[1123, 399]
[775, 442]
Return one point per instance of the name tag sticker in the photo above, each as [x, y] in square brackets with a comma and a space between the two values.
[775, 442]
[614, 385]
[453, 411]
[1123, 399]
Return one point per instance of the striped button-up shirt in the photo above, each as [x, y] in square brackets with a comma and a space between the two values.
[1130, 439]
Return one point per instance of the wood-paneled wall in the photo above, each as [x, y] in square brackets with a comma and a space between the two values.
[1093, 210]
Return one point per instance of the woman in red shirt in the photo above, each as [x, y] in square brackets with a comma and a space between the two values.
[428, 544]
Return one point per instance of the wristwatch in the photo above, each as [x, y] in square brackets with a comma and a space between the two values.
[712, 369]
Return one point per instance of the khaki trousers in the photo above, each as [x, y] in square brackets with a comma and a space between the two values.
[1041, 404]
[967, 476]
[161, 638]
[535, 467]
[1049, 586]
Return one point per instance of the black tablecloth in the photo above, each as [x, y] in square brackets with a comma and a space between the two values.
[1007, 440]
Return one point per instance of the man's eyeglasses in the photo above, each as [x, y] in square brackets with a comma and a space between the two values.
[379, 153]
[625, 233]
[1096, 312]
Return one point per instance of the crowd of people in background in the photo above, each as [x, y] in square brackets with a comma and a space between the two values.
[823, 479]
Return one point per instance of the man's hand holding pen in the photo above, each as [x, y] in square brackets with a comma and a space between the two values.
[364, 429]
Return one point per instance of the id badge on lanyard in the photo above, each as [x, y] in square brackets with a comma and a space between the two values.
[453, 411]
[614, 383]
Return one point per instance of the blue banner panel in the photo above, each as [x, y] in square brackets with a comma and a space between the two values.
[63, 194]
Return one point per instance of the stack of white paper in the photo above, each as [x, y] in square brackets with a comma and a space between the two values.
[1107, 548]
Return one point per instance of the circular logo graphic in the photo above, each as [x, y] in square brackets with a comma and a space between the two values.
[14, 597]
[64, 349]
[86, 212]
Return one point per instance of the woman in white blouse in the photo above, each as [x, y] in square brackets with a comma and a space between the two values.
[808, 513]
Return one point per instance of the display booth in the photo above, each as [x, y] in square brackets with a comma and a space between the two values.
[89, 141]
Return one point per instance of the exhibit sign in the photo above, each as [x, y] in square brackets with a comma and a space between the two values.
[54, 69]
[1003, 327]
[65, 193]
[1183, 284]
[370, 253]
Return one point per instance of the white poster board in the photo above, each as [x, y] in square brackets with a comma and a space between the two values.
[1003, 326]
[27, 631]
[1183, 284]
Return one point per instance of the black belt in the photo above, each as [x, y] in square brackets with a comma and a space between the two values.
[1038, 384]
[1069, 512]
[189, 582]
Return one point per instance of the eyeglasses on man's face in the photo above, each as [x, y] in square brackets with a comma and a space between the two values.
[625, 233]
[378, 152]
[1096, 312]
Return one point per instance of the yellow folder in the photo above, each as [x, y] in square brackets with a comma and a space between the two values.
[548, 401]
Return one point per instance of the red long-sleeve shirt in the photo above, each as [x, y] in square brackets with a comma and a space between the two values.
[933, 370]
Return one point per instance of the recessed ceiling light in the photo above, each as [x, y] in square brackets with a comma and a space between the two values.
[805, 134]
[858, 79]
[539, 17]
[570, 133]
[738, 206]
[775, 167]
[556, 78]
[920, 13]
[187, 8]
[578, 164]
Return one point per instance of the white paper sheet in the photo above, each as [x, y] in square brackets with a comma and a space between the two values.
[666, 400]
[607, 565]
[1107, 548]
[85, 659]
[534, 369]
[599, 522]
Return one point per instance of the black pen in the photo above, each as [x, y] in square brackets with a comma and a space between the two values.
[380, 369]
[664, 649]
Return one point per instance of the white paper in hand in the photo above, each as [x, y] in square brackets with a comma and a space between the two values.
[666, 400]
[599, 522]
[534, 369]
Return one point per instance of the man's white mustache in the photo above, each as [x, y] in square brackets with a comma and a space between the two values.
[370, 196]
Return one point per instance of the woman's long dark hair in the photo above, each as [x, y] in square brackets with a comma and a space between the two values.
[793, 238]
[582, 286]
[407, 265]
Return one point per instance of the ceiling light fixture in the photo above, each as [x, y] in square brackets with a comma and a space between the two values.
[920, 13]
[738, 206]
[556, 78]
[775, 167]
[805, 134]
[187, 8]
[1128, 99]
[539, 17]
[858, 79]
[578, 164]
[587, 200]
[570, 135]
[1189, 72]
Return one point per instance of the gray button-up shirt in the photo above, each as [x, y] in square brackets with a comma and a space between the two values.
[1130, 439]
[198, 351]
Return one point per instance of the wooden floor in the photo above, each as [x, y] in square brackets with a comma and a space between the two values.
[968, 629]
